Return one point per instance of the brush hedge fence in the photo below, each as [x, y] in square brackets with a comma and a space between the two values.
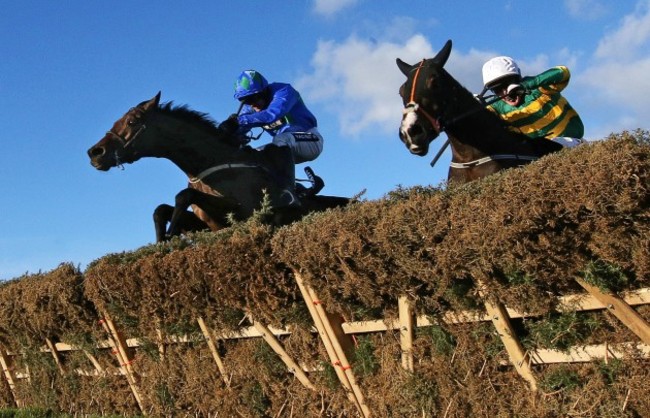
[524, 294]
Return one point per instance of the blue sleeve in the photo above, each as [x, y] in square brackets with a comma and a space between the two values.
[282, 101]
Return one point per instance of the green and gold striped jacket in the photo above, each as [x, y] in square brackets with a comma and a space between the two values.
[544, 113]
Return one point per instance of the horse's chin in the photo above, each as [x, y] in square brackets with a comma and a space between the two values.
[420, 148]
[104, 164]
[101, 167]
[421, 152]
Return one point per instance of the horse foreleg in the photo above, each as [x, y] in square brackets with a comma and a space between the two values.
[161, 215]
[187, 221]
[216, 208]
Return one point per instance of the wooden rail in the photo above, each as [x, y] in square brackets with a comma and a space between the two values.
[336, 337]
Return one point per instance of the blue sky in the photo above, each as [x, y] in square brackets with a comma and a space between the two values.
[70, 69]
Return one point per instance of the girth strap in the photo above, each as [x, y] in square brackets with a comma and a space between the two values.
[489, 158]
[203, 174]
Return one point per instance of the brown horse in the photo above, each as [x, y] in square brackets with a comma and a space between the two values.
[481, 142]
[224, 178]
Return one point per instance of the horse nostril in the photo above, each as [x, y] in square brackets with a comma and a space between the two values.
[96, 152]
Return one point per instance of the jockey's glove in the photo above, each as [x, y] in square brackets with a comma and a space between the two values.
[230, 125]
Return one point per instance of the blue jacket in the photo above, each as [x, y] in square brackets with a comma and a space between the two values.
[286, 113]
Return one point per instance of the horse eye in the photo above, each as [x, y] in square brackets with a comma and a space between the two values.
[131, 121]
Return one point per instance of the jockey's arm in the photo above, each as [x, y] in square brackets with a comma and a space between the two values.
[281, 103]
[554, 79]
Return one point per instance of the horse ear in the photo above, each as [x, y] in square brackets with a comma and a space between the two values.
[404, 67]
[151, 103]
[442, 56]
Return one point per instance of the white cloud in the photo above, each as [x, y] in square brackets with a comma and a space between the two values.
[330, 7]
[358, 80]
[585, 9]
[617, 78]
[631, 38]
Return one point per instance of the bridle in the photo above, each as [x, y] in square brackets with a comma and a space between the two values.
[127, 142]
[414, 107]
[438, 124]
[124, 141]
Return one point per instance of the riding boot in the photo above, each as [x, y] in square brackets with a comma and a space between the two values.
[286, 175]
[316, 181]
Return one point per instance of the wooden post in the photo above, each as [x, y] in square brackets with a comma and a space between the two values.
[273, 342]
[124, 359]
[5, 362]
[95, 362]
[28, 375]
[56, 355]
[213, 349]
[331, 333]
[624, 312]
[506, 332]
[406, 331]
[161, 343]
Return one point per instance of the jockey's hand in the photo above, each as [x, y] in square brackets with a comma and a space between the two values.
[230, 125]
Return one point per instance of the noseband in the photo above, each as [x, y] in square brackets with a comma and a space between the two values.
[124, 141]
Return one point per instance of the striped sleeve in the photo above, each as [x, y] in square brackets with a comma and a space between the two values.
[551, 80]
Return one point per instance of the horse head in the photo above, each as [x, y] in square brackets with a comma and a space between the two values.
[424, 94]
[118, 145]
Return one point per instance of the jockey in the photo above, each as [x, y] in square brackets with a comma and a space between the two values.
[533, 105]
[280, 111]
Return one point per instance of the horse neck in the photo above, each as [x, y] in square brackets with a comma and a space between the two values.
[475, 131]
[474, 137]
[192, 148]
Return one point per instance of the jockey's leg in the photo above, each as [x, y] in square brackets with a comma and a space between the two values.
[285, 172]
[306, 146]
[316, 182]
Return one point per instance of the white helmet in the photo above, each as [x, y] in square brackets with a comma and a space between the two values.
[498, 68]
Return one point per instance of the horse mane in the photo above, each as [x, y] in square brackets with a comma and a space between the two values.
[461, 97]
[192, 116]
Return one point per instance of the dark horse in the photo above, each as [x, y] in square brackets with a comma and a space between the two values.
[224, 178]
[481, 142]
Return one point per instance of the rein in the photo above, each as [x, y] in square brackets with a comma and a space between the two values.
[203, 174]
[125, 143]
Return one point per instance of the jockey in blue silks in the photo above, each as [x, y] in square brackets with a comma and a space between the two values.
[279, 110]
